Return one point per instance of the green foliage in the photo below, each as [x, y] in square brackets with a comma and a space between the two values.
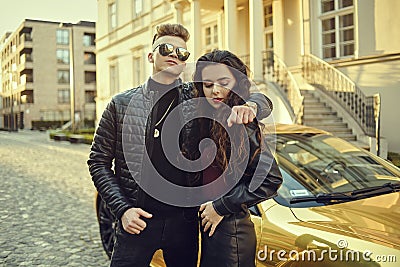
[88, 138]
[86, 131]
[87, 134]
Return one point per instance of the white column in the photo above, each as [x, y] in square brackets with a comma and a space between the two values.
[220, 23]
[195, 30]
[256, 39]
[279, 28]
[178, 12]
[230, 25]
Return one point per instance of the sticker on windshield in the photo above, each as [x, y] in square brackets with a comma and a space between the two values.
[299, 193]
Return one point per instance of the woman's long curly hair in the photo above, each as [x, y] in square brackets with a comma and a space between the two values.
[213, 129]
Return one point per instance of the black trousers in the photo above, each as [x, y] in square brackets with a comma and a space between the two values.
[233, 243]
[176, 236]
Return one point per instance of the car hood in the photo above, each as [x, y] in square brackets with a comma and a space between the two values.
[375, 218]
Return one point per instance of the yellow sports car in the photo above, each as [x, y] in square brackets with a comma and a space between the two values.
[339, 205]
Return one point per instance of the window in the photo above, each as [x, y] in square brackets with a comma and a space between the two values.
[90, 96]
[63, 96]
[112, 16]
[268, 32]
[25, 34]
[26, 76]
[337, 24]
[215, 34]
[62, 56]
[208, 35]
[89, 58]
[46, 115]
[28, 36]
[269, 40]
[137, 71]
[345, 3]
[137, 6]
[63, 76]
[25, 58]
[113, 79]
[346, 31]
[88, 39]
[327, 5]
[90, 77]
[55, 115]
[27, 96]
[211, 37]
[62, 37]
[268, 16]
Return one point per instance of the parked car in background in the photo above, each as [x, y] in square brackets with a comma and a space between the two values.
[339, 205]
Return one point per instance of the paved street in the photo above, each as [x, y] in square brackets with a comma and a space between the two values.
[47, 215]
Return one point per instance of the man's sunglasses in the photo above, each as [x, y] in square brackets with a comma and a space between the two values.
[167, 49]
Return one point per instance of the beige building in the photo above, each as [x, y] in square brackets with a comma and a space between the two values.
[332, 64]
[45, 65]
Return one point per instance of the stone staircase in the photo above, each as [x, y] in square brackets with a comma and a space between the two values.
[318, 114]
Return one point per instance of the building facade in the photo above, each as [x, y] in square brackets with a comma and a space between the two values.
[342, 46]
[48, 73]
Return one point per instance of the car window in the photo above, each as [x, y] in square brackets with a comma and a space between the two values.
[312, 164]
[291, 187]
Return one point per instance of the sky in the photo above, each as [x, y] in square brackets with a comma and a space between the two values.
[13, 12]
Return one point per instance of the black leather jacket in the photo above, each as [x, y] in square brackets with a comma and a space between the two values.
[117, 186]
[260, 181]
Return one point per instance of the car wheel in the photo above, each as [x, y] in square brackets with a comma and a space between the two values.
[107, 226]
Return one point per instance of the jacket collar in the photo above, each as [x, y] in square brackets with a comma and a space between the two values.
[147, 91]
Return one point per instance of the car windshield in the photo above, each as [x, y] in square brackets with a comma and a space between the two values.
[320, 165]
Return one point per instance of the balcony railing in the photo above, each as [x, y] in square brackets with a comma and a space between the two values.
[341, 88]
[277, 71]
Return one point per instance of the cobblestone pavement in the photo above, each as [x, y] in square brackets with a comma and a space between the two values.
[47, 215]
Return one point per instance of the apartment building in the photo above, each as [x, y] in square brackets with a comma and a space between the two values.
[48, 72]
[339, 52]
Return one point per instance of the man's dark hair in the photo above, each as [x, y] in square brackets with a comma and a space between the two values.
[169, 29]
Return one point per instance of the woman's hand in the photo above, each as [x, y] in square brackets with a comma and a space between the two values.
[209, 217]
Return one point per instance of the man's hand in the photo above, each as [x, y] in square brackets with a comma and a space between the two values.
[209, 217]
[131, 220]
[241, 115]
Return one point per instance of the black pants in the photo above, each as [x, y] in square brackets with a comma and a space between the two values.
[176, 236]
[233, 243]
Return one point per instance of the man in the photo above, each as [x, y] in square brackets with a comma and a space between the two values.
[146, 224]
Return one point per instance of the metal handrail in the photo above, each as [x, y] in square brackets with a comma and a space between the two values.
[278, 72]
[343, 90]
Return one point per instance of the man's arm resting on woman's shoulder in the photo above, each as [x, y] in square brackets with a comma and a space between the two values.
[264, 105]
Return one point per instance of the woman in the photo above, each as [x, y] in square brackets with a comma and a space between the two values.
[228, 235]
